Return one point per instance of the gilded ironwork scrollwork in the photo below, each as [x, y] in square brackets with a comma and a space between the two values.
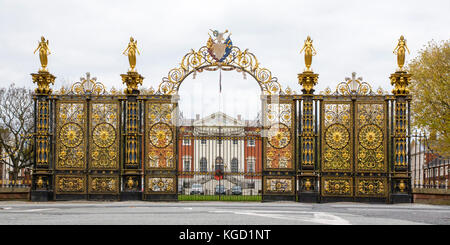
[71, 142]
[71, 135]
[160, 135]
[70, 184]
[104, 147]
[353, 86]
[198, 61]
[161, 184]
[337, 186]
[279, 135]
[103, 184]
[279, 185]
[369, 187]
[337, 135]
[279, 150]
[160, 149]
[88, 85]
[370, 136]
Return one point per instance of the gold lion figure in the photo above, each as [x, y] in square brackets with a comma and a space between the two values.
[132, 49]
[44, 51]
[400, 52]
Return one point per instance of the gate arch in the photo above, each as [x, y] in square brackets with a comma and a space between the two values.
[198, 61]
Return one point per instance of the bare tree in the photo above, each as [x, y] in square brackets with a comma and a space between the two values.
[16, 128]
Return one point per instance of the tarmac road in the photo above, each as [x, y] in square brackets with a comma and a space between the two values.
[218, 213]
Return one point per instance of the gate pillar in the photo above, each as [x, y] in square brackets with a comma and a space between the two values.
[132, 165]
[42, 179]
[400, 166]
[307, 167]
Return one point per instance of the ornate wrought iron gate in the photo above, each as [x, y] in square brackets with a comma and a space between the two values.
[350, 144]
[87, 151]
[353, 145]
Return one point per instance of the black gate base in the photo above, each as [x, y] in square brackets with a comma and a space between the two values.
[276, 198]
[308, 197]
[130, 196]
[70, 197]
[161, 197]
[41, 196]
[401, 198]
[103, 197]
[354, 199]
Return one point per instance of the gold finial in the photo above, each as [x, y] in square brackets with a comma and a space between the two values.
[44, 51]
[132, 49]
[309, 52]
[400, 52]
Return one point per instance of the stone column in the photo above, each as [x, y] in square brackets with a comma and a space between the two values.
[132, 165]
[400, 177]
[306, 171]
[41, 189]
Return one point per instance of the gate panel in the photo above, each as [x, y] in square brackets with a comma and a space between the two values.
[371, 137]
[104, 153]
[160, 161]
[354, 155]
[71, 136]
[71, 148]
[279, 157]
[337, 137]
[371, 150]
[104, 140]
[337, 149]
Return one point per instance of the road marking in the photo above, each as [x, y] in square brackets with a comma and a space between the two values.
[317, 217]
[34, 210]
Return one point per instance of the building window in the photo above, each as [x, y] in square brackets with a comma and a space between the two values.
[234, 165]
[219, 141]
[251, 165]
[203, 165]
[203, 142]
[219, 164]
[235, 142]
[251, 142]
[186, 142]
[187, 165]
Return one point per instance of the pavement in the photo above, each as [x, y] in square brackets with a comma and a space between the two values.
[219, 213]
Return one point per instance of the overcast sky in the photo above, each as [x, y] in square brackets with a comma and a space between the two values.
[90, 36]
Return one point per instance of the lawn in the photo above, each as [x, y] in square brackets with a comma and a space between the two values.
[218, 198]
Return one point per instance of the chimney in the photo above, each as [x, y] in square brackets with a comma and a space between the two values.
[197, 116]
[239, 117]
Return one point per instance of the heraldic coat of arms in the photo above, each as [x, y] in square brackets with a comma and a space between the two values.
[219, 48]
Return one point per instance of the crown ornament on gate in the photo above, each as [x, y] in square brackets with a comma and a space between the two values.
[353, 86]
[88, 86]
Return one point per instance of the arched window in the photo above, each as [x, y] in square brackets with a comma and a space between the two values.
[234, 165]
[203, 165]
[219, 163]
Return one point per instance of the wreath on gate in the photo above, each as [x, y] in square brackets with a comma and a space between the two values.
[218, 174]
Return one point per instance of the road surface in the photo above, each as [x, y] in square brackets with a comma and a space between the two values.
[219, 213]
